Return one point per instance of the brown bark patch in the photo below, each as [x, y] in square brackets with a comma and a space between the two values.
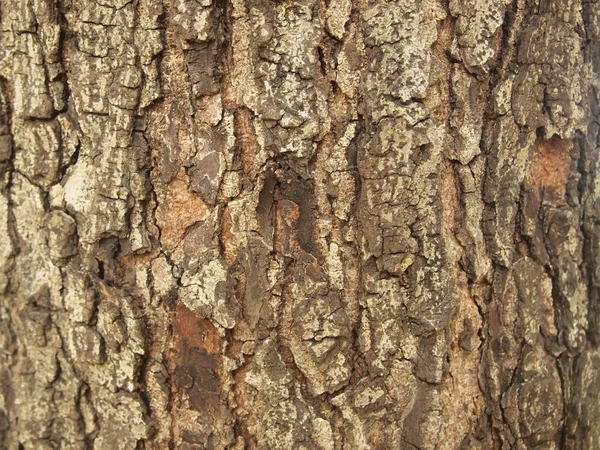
[170, 126]
[461, 379]
[550, 169]
[180, 209]
[247, 138]
[439, 101]
[297, 207]
[246, 422]
[288, 214]
[449, 199]
[198, 361]
[136, 261]
[230, 249]
[210, 109]
[461, 396]
[198, 333]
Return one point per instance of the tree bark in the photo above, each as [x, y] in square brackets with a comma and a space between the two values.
[299, 224]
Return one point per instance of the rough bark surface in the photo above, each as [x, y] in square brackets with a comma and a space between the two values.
[299, 224]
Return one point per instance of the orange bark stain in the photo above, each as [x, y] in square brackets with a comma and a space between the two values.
[549, 169]
[180, 209]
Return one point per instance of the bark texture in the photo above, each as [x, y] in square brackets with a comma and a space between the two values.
[299, 224]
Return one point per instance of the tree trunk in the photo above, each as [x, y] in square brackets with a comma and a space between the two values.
[299, 224]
